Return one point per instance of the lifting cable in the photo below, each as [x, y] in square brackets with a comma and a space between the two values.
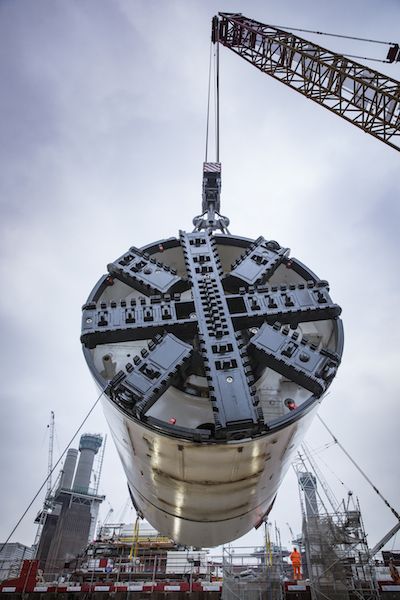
[315, 452]
[208, 101]
[51, 472]
[381, 60]
[346, 37]
[359, 469]
[213, 95]
[216, 68]
[338, 35]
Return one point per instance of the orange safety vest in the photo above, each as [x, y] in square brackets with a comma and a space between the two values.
[295, 558]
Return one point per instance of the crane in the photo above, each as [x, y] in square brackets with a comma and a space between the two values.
[41, 517]
[291, 532]
[379, 545]
[321, 480]
[203, 338]
[364, 97]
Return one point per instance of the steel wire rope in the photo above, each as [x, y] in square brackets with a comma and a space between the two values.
[359, 469]
[347, 37]
[216, 69]
[215, 103]
[381, 60]
[322, 448]
[127, 505]
[338, 35]
[208, 101]
[329, 445]
[121, 510]
[51, 472]
[213, 90]
[215, 100]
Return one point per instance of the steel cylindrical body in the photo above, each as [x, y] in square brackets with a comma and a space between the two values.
[213, 351]
[203, 494]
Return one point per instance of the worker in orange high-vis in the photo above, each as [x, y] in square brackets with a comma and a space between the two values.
[295, 559]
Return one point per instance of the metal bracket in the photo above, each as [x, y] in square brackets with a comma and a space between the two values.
[288, 304]
[111, 323]
[256, 264]
[138, 270]
[294, 358]
[149, 375]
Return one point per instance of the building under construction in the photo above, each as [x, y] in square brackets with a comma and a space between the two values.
[141, 561]
[337, 558]
[337, 563]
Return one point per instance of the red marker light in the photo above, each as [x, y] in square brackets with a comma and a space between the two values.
[172, 421]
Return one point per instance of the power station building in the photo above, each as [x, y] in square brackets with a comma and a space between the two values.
[70, 520]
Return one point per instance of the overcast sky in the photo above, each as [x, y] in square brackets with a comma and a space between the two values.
[102, 128]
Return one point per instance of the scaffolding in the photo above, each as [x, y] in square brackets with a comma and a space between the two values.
[254, 574]
[338, 563]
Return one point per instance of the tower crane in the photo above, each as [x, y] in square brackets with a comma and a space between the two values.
[41, 517]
